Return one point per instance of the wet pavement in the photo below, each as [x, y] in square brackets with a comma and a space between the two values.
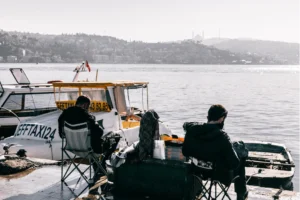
[44, 184]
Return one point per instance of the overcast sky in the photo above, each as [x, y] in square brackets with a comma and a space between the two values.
[156, 20]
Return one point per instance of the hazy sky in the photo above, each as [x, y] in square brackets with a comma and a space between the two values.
[156, 20]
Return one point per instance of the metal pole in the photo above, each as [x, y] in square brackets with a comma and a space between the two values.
[143, 98]
[97, 75]
[147, 98]
[62, 162]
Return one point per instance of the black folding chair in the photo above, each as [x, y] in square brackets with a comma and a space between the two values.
[212, 187]
[76, 146]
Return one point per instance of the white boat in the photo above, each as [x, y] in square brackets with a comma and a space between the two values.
[23, 100]
[113, 104]
[269, 165]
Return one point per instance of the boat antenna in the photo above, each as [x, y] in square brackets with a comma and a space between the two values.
[77, 70]
[97, 75]
[143, 98]
[11, 113]
[128, 99]
[30, 90]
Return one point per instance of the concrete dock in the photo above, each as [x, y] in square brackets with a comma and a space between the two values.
[44, 184]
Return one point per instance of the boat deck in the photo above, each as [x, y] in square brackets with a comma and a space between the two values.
[267, 156]
[44, 184]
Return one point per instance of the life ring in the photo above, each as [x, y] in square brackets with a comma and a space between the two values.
[54, 81]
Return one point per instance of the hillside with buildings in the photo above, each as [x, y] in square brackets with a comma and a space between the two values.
[282, 51]
[37, 48]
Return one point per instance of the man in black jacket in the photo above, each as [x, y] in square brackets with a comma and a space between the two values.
[209, 142]
[79, 114]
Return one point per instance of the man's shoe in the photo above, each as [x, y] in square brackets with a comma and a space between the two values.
[242, 196]
[91, 197]
[94, 192]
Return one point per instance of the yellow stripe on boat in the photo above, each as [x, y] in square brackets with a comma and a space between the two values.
[96, 106]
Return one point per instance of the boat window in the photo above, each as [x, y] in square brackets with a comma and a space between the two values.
[1, 89]
[70, 95]
[95, 94]
[29, 101]
[120, 100]
[34, 101]
[19, 75]
[14, 102]
[129, 99]
[136, 98]
[99, 100]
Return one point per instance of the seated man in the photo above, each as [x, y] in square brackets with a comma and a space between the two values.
[209, 142]
[79, 114]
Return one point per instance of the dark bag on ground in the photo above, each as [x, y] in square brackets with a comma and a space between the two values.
[157, 179]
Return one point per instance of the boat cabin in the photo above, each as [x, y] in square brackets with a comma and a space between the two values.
[23, 100]
[126, 99]
[117, 106]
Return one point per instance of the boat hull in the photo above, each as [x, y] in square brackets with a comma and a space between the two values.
[285, 183]
[6, 131]
[40, 138]
[8, 123]
[269, 165]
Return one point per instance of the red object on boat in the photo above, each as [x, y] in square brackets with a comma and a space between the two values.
[87, 65]
[54, 81]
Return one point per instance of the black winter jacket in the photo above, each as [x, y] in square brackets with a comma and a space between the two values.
[210, 143]
[76, 115]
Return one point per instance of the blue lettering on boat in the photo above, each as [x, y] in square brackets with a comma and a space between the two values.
[40, 131]
[33, 132]
[36, 130]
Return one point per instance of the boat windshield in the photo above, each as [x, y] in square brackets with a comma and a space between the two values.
[29, 101]
[129, 99]
[100, 100]
[136, 98]
[19, 75]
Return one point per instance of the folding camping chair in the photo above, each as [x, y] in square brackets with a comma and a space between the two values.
[76, 145]
[212, 188]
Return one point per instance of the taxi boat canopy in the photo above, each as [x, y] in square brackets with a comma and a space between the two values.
[100, 84]
[104, 95]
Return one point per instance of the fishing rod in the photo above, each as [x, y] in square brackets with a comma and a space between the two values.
[259, 171]
[11, 113]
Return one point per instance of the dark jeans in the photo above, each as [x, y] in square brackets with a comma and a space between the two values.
[96, 178]
[240, 183]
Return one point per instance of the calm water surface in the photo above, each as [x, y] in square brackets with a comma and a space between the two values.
[263, 101]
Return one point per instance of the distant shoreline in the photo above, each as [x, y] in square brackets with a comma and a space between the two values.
[18, 47]
[77, 63]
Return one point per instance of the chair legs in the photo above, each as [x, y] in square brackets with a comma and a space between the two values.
[83, 173]
[212, 190]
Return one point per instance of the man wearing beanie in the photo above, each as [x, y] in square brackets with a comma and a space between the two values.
[209, 142]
